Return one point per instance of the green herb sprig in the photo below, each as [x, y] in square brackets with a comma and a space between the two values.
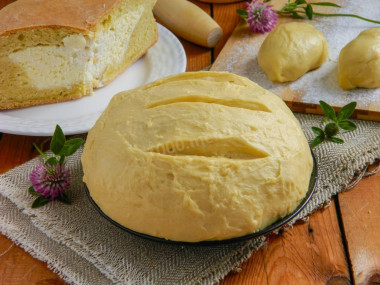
[333, 123]
[51, 178]
[60, 147]
[301, 7]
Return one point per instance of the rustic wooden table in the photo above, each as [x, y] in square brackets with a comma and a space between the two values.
[337, 245]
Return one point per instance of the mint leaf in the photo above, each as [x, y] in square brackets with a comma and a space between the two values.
[347, 125]
[317, 141]
[327, 110]
[71, 146]
[318, 131]
[346, 111]
[57, 141]
[39, 202]
[299, 2]
[331, 129]
[309, 11]
[336, 140]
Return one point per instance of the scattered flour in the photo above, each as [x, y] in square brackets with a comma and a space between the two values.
[320, 84]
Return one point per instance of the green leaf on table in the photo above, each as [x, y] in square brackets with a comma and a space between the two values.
[333, 123]
[289, 7]
[52, 161]
[347, 125]
[297, 16]
[39, 202]
[299, 2]
[302, 6]
[33, 192]
[346, 111]
[64, 199]
[57, 141]
[317, 141]
[327, 110]
[326, 4]
[336, 140]
[242, 13]
[71, 146]
[331, 129]
[292, 5]
[318, 131]
[309, 11]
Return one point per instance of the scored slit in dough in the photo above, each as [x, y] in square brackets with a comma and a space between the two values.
[191, 158]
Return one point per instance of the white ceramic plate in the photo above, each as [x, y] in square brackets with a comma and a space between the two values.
[166, 57]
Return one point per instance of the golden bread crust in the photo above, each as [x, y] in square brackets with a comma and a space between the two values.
[27, 75]
[29, 14]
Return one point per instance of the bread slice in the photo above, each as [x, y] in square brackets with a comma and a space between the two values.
[53, 50]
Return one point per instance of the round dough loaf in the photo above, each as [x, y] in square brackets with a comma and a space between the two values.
[359, 61]
[197, 156]
[291, 50]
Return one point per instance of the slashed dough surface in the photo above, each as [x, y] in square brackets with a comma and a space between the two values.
[197, 156]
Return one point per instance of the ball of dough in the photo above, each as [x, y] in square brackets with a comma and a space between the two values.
[291, 50]
[359, 61]
[197, 156]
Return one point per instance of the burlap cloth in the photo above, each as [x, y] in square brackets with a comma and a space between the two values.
[84, 248]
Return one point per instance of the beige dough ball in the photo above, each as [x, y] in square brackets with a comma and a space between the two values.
[197, 156]
[359, 61]
[291, 50]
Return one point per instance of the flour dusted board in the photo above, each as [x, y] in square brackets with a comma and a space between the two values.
[240, 56]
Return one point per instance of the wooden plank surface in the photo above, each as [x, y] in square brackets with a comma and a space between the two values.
[16, 150]
[198, 57]
[225, 15]
[239, 55]
[361, 220]
[16, 266]
[313, 252]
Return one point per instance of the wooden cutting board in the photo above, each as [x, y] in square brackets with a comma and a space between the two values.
[239, 56]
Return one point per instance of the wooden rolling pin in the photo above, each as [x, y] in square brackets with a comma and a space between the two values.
[188, 21]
